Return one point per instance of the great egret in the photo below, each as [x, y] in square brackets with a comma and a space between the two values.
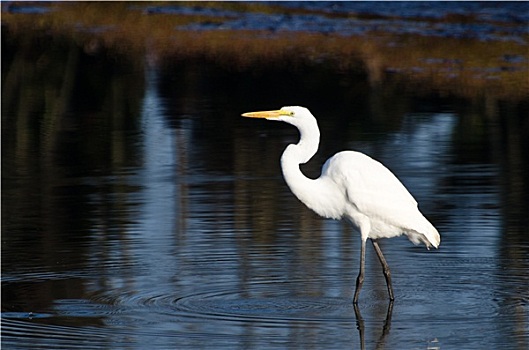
[354, 187]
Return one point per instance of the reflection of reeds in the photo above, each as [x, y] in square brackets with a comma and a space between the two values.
[465, 67]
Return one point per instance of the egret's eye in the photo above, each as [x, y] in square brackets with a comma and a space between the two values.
[287, 113]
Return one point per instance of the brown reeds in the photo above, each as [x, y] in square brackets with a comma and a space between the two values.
[459, 66]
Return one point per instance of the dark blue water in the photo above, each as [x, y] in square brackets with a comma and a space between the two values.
[471, 20]
[139, 210]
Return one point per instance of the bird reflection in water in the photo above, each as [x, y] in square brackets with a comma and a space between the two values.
[381, 342]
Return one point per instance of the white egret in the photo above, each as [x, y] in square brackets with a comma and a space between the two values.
[354, 187]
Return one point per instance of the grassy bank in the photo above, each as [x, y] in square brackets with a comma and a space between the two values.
[464, 67]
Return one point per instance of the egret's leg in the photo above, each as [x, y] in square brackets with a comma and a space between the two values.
[385, 268]
[360, 278]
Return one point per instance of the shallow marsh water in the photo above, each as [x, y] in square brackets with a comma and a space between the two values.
[139, 210]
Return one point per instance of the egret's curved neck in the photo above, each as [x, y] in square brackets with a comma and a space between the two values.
[307, 190]
[306, 148]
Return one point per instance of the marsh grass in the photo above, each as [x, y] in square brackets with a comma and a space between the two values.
[467, 67]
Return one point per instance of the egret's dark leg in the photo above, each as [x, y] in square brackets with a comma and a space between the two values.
[360, 278]
[385, 269]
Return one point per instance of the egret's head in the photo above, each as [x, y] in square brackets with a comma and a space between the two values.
[292, 115]
[307, 126]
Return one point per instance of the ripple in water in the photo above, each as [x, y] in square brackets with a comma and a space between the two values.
[276, 310]
[216, 316]
[259, 304]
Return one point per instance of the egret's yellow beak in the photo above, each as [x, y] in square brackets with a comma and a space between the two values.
[265, 114]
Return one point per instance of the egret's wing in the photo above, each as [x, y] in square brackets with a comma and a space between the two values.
[368, 183]
[376, 192]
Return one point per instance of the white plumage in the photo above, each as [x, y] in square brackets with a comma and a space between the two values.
[352, 186]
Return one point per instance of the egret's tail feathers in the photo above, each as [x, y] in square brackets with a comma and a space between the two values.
[433, 238]
[427, 234]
